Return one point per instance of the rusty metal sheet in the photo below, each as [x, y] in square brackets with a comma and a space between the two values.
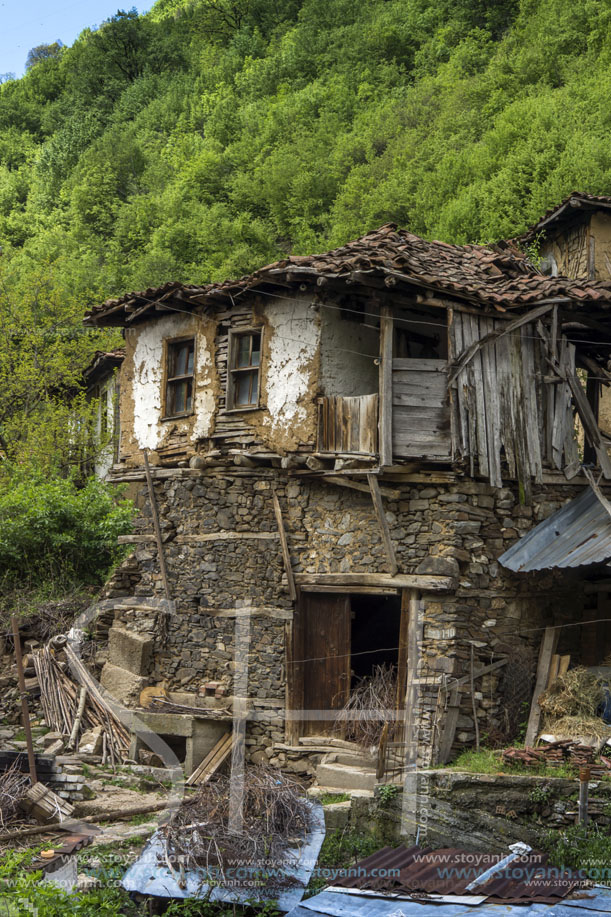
[576, 535]
[449, 871]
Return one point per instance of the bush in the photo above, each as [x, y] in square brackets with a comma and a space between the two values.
[57, 530]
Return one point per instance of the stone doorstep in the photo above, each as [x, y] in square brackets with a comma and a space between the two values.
[342, 775]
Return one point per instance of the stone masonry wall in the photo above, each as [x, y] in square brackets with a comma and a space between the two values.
[456, 530]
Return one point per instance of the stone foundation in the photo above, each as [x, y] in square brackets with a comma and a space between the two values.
[237, 585]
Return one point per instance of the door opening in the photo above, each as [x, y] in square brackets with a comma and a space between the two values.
[375, 625]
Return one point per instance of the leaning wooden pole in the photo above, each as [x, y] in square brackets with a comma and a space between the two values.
[156, 525]
[24, 701]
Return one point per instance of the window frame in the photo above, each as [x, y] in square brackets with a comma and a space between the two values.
[168, 345]
[234, 336]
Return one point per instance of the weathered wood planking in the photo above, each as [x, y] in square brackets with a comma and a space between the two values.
[348, 424]
[421, 409]
[503, 410]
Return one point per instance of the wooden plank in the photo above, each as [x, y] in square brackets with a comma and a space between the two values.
[402, 660]
[355, 485]
[563, 666]
[368, 423]
[423, 582]
[212, 762]
[354, 589]
[378, 507]
[481, 340]
[553, 671]
[456, 347]
[156, 526]
[450, 720]
[414, 365]
[286, 556]
[385, 386]
[486, 670]
[491, 395]
[548, 647]
[476, 379]
[531, 405]
[226, 536]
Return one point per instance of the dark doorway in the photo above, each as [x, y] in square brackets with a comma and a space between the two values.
[376, 620]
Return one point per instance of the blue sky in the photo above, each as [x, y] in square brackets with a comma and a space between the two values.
[27, 23]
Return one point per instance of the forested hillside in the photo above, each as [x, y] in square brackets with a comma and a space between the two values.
[212, 136]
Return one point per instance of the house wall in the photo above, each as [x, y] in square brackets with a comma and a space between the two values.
[106, 408]
[570, 249]
[219, 585]
[289, 382]
[347, 354]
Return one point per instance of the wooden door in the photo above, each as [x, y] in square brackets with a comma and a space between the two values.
[420, 409]
[321, 654]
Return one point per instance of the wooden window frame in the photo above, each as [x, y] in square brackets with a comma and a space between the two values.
[168, 344]
[234, 335]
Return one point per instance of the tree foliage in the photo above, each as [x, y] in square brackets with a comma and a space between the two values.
[211, 136]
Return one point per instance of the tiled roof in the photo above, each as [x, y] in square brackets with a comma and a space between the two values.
[500, 277]
[576, 200]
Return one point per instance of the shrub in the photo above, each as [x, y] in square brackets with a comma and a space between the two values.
[55, 529]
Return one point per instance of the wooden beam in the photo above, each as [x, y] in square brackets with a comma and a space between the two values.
[385, 385]
[400, 581]
[378, 507]
[356, 590]
[355, 485]
[285, 546]
[548, 647]
[449, 723]
[156, 526]
[226, 536]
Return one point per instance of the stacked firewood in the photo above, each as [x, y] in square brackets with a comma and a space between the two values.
[72, 709]
[556, 754]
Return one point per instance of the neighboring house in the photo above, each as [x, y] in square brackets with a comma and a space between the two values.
[341, 447]
[101, 380]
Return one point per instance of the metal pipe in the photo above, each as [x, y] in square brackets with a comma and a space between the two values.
[584, 780]
[24, 701]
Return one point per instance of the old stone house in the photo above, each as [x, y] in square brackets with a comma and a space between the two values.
[333, 453]
[101, 383]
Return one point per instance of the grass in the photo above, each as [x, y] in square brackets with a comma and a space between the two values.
[328, 799]
[488, 761]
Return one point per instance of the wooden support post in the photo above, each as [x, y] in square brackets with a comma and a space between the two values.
[24, 701]
[411, 694]
[285, 546]
[383, 523]
[548, 647]
[156, 526]
[385, 384]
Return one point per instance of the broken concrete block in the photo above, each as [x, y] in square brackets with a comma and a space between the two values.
[124, 686]
[91, 742]
[129, 651]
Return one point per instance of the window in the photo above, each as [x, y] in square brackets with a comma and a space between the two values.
[179, 385]
[244, 370]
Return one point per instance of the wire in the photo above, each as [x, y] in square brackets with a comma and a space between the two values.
[388, 649]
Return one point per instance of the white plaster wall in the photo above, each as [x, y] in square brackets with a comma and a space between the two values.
[293, 337]
[105, 459]
[148, 376]
[347, 353]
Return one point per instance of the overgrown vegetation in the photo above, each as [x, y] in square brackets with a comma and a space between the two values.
[488, 761]
[582, 847]
[57, 530]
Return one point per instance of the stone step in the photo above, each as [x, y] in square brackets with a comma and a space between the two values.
[352, 759]
[315, 792]
[329, 741]
[345, 776]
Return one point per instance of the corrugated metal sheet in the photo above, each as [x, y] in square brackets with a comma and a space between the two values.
[574, 536]
[450, 870]
[355, 904]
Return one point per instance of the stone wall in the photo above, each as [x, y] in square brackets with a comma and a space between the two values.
[486, 811]
[457, 529]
